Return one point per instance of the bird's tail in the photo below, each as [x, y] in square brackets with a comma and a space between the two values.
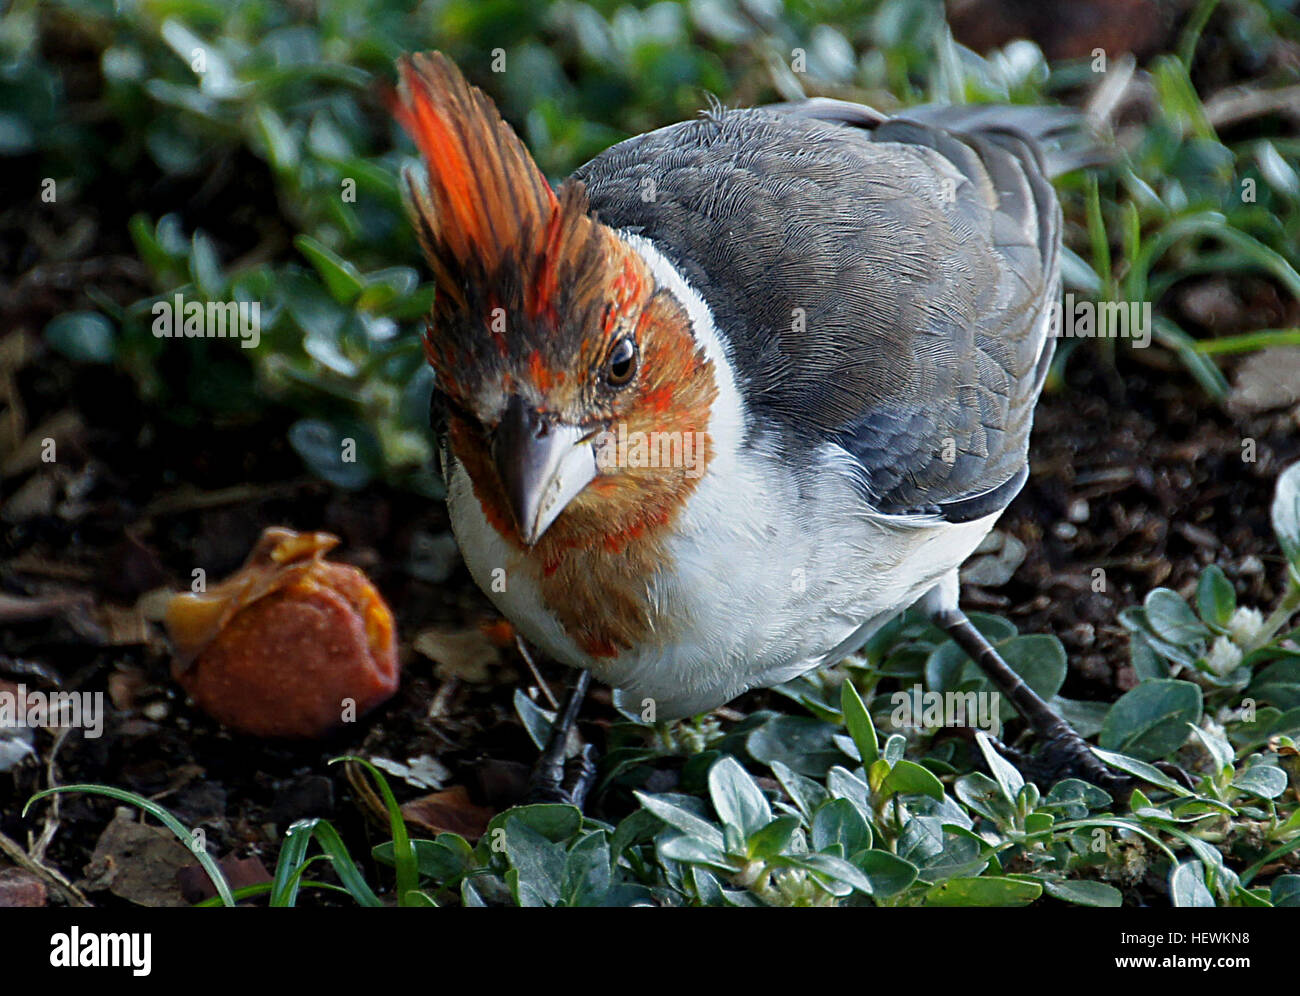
[1061, 133]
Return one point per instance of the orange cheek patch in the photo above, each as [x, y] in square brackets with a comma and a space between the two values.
[472, 452]
[659, 400]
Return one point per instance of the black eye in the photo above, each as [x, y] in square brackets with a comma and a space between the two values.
[621, 364]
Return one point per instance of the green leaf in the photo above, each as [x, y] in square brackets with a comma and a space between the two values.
[889, 874]
[1280, 174]
[737, 798]
[894, 748]
[539, 865]
[947, 666]
[986, 797]
[684, 820]
[1187, 885]
[82, 336]
[340, 454]
[536, 720]
[404, 859]
[349, 874]
[443, 860]
[859, 724]
[1085, 892]
[1172, 619]
[205, 267]
[1215, 598]
[773, 838]
[804, 744]
[987, 890]
[691, 850]
[1009, 780]
[1135, 620]
[1279, 683]
[1040, 659]
[909, 778]
[829, 866]
[1140, 769]
[342, 279]
[554, 821]
[1149, 722]
[293, 861]
[1076, 798]
[921, 839]
[839, 822]
[1262, 780]
[1285, 891]
[1220, 750]
[843, 784]
[281, 145]
[587, 871]
[806, 794]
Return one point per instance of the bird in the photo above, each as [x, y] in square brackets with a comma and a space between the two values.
[741, 389]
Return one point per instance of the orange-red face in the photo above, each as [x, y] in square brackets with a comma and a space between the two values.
[587, 422]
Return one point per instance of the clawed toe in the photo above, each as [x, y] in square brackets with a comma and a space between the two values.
[568, 784]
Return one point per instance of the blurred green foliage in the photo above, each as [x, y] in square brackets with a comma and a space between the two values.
[247, 146]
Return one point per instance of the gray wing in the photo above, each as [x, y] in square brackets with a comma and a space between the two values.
[881, 283]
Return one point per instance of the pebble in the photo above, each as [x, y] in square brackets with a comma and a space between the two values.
[19, 887]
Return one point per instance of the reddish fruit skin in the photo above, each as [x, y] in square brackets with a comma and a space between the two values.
[301, 645]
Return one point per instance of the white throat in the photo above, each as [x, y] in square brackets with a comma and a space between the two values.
[727, 421]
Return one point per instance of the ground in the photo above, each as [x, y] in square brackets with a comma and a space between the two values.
[1132, 472]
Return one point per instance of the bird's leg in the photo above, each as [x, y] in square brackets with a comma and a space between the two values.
[554, 779]
[1063, 754]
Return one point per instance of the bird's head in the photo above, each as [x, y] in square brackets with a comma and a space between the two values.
[565, 370]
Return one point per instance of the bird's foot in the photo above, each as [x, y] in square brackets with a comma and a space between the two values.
[1064, 754]
[556, 777]
[568, 783]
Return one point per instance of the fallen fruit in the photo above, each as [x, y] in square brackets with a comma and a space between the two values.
[290, 645]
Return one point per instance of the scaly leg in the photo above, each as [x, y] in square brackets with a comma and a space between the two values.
[554, 779]
[1063, 754]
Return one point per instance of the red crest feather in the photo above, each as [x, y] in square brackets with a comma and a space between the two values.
[485, 206]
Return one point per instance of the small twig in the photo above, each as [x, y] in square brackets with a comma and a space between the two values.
[189, 499]
[16, 609]
[51, 825]
[537, 675]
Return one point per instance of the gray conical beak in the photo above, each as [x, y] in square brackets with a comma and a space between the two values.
[543, 464]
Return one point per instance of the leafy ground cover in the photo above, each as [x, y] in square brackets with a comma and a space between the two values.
[241, 151]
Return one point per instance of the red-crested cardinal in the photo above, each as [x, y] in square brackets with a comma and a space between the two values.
[744, 387]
